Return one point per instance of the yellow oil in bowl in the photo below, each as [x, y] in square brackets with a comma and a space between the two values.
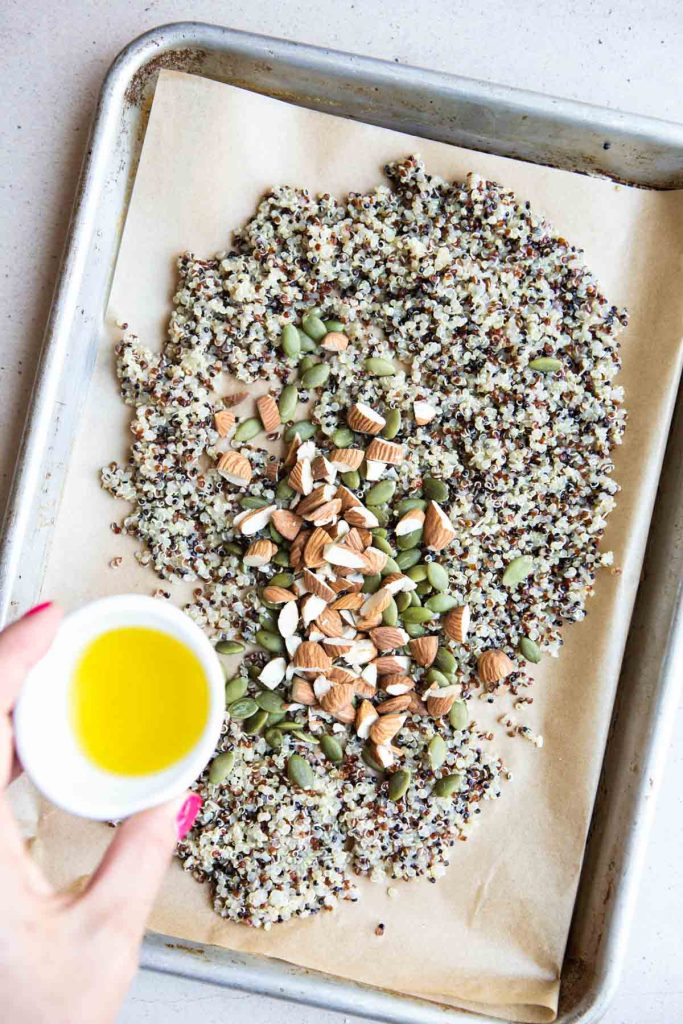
[139, 701]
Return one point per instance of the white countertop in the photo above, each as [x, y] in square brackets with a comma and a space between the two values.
[617, 53]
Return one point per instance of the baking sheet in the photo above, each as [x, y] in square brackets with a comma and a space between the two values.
[491, 934]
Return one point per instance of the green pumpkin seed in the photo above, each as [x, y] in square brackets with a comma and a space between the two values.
[418, 572]
[283, 492]
[281, 579]
[291, 346]
[253, 501]
[409, 540]
[371, 584]
[229, 647]
[437, 576]
[287, 725]
[390, 614]
[281, 558]
[316, 376]
[415, 599]
[382, 514]
[382, 544]
[398, 784]
[381, 493]
[380, 531]
[276, 535]
[289, 399]
[254, 670]
[305, 737]
[391, 565]
[308, 361]
[331, 748]
[233, 548]
[274, 717]
[517, 570]
[529, 650]
[423, 587]
[299, 772]
[235, 688]
[334, 326]
[458, 715]
[445, 661]
[343, 437]
[245, 707]
[270, 641]
[369, 760]
[405, 559]
[435, 675]
[220, 767]
[269, 619]
[448, 785]
[441, 603]
[248, 429]
[255, 723]
[392, 425]
[545, 364]
[379, 367]
[414, 629]
[304, 428]
[436, 752]
[274, 739]
[351, 479]
[408, 504]
[402, 601]
[307, 344]
[434, 490]
[313, 326]
[270, 701]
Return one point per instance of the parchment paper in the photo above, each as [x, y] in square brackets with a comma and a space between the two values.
[491, 934]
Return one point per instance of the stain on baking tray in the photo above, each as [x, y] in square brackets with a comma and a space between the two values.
[189, 60]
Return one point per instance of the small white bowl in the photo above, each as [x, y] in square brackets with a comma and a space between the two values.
[44, 736]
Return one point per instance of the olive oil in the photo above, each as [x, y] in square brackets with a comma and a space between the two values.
[139, 701]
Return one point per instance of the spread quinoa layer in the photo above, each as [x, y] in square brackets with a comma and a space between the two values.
[494, 324]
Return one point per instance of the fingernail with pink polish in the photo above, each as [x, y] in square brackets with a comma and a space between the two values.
[38, 608]
[186, 816]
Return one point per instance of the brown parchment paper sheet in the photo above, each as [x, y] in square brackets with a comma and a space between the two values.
[491, 934]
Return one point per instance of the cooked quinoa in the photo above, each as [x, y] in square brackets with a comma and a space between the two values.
[461, 287]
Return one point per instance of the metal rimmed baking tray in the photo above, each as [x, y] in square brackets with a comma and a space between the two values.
[479, 116]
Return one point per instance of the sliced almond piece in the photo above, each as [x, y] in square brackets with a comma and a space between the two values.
[359, 515]
[376, 603]
[389, 638]
[273, 470]
[316, 546]
[321, 686]
[288, 619]
[424, 412]
[292, 451]
[236, 398]
[287, 523]
[383, 755]
[438, 529]
[296, 551]
[318, 496]
[386, 727]
[259, 553]
[361, 652]
[397, 684]
[366, 716]
[224, 421]
[347, 498]
[302, 692]
[301, 477]
[334, 341]
[456, 623]
[395, 704]
[269, 413]
[493, 666]
[310, 657]
[278, 595]
[374, 561]
[369, 674]
[397, 582]
[330, 623]
[292, 643]
[364, 420]
[440, 701]
[411, 521]
[392, 663]
[363, 689]
[417, 706]
[235, 467]
[374, 470]
[311, 607]
[348, 602]
[325, 514]
[273, 673]
[315, 584]
[253, 520]
[345, 460]
[354, 539]
[323, 470]
[337, 697]
[339, 554]
[388, 452]
[346, 714]
[337, 646]
[342, 675]
[423, 650]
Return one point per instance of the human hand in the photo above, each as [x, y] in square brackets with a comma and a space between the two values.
[69, 959]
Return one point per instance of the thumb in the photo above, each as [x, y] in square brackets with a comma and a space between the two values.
[132, 870]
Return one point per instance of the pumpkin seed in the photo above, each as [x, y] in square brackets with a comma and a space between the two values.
[229, 647]
[409, 540]
[343, 437]
[254, 670]
[307, 344]
[441, 603]
[283, 492]
[415, 599]
[424, 587]
[436, 676]
[235, 688]
[445, 661]
[437, 576]
[281, 579]
[253, 501]
[391, 565]
[313, 326]
[379, 367]
[299, 772]
[414, 629]
[398, 784]
[408, 504]
[392, 425]
[270, 701]
[220, 767]
[390, 614]
[458, 716]
[287, 725]
[402, 601]
[418, 572]
[382, 544]
[529, 650]
[380, 531]
[304, 428]
[369, 760]
[270, 641]
[316, 376]
[291, 345]
[382, 514]
[331, 748]
[546, 364]
[434, 490]
[371, 584]
[334, 326]
[245, 707]
[405, 559]
[248, 429]
[305, 737]
[255, 723]
[281, 558]
[517, 570]
[233, 548]
[436, 751]
[308, 361]
[274, 717]
[380, 493]
[274, 739]
[276, 535]
[289, 399]
[447, 785]
[351, 479]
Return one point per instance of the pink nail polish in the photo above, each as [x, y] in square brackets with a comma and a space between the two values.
[38, 608]
[186, 816]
